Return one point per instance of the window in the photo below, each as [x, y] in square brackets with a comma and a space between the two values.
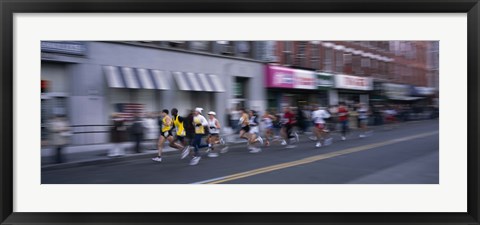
[243, 48]
[314, 57]
[339, 61]
[287, 52]
[365, 62]
[226, 47]
[300, 56]
[356, 65]
[200, 45]
[328, 60]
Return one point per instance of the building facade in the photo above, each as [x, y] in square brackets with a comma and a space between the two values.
[129, 77]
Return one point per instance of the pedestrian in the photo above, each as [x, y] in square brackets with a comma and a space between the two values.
[321, 132]
[363, 113]
[200, 123]
[137, 133]
[151, 130]
[118, 135]
[254, 133]
[60, 133]
[343, 119]
[180, 134]
[189, 128]
[288, 122]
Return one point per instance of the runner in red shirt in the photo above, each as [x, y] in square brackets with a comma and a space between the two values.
[343, 119]
[288, 121]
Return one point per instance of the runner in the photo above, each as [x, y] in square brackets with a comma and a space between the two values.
[343, 119]
[178, 122]
[214, 135]
[363, 120]
[166, 134]
[254, 133]
[268, 120]
[200, 123]
[244, 127]
[321, 131]
[288, 121]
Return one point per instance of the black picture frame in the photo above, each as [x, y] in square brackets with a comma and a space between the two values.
[10, 7]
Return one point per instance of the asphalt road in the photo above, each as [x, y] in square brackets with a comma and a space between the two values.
[407, 154]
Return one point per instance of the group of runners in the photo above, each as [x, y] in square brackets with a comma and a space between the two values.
[174, 130]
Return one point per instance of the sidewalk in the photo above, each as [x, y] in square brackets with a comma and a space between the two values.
[97, 154]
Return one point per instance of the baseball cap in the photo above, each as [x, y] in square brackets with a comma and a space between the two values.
[198, 110]
[212, 113]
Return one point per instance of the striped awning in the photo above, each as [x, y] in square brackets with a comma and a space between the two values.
[188, 81]
[136, 78]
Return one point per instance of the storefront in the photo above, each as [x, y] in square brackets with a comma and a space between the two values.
[325, 83]
[290, 87]
[352, 89]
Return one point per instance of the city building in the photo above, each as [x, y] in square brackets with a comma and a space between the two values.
[363, 71]
[88, 81]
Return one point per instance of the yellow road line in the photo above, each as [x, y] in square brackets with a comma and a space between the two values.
[312, 159]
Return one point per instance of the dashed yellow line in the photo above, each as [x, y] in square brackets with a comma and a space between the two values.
[311, 159]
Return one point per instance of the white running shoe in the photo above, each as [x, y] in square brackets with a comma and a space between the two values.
[318, 145]
[361, 136]
[212, 154]
[224, 150]
[157, 159]
[328, 141]
[185, 152]
[255, 150]
[195, 160]
[284, 142]
[259, 139]
[343, 138]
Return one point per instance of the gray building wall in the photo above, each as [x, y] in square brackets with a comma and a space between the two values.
[90, 95]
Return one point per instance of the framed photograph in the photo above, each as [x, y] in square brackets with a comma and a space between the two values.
[263, 112]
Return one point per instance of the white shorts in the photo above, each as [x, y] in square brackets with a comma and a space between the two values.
[254, 130]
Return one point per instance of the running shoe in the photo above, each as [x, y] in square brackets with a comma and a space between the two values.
[328, 141]
[343, 138]
[361, 136]
[224, 150]
[284, 142]
[222, 142]
[259, 139]
[157, 159]
[255, 150]
[185, 152]
[195, 160]
[318, 145]
[212, 154]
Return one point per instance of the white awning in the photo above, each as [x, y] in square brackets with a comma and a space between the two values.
[135, 78]
[189, 81]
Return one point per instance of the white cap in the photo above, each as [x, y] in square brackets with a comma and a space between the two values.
[198, 110]
[212, 113]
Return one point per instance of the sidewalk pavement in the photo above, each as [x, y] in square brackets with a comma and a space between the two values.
[97, 154]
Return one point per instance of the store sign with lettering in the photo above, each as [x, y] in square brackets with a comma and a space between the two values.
[324, 80]
[282, 77]
[353, 82]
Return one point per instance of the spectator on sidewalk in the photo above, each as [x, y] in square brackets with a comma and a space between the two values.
[118, 136]
[59, 135]
[137, 132]
[151, 130]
